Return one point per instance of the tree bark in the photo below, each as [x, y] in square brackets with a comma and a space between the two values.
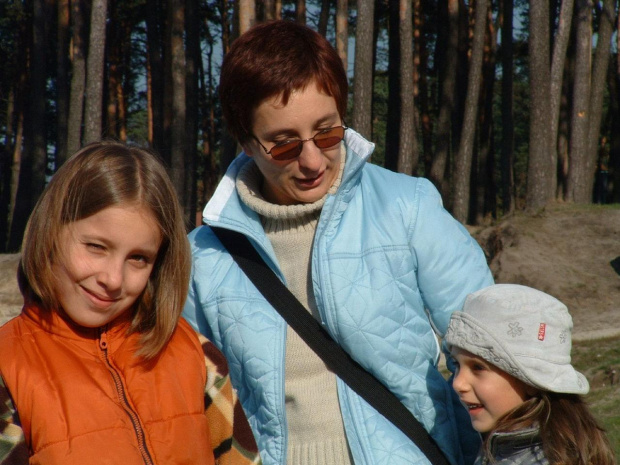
[194, 62]
[579, 171]
[155, 73]
[447, 98]
[176, 15]
[300, 11]
[539, 167]
[508, 130]
[463, 160]
[363, 68]
[78, 77]
[392, 138]
[62, 81]
[95, 72]
[408, 146]
[599, 79]
[326, 6]
[558, 61]
[34, 157]
[247, 15]
[342, 31]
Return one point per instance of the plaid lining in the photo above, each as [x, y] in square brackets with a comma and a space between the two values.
[231, 436]
[13, 449]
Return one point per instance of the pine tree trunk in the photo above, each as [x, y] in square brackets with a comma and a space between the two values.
[176, 16]
[580, 171]
[62, 81]
[342, 30]
[508, 130]
[78, 77]
[463, 160]
[558, 61]
[34, 157]
[93, 111]
[408, 146]
[363, 68]
[447, 95]
[599, 80]
[539, 166]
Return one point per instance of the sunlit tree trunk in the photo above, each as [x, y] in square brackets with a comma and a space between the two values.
[78, 76]
[363, 68]
[408, 146]
[247, 15]
[558, 61]
[95, 72]
[463, 160]
[580, 170]
[342, 30]
[539, 165]
[300, 11]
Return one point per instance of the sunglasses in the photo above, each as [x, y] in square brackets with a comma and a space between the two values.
[291, 148]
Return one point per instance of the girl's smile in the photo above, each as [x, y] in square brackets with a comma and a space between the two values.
[104, 263]
[487, 392]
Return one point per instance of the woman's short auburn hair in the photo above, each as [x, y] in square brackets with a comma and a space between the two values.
[274, 59]
[102, 175]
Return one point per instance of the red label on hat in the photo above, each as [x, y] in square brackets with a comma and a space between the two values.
[541, 331]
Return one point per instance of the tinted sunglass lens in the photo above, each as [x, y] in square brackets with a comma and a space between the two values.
[286, 151]
[329, 139]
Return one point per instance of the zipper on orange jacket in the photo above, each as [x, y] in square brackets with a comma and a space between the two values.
[120, 389]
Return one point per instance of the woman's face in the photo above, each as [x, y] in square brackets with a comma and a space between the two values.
[308, 177]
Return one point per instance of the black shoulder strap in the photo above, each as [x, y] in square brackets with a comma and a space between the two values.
[317, 338]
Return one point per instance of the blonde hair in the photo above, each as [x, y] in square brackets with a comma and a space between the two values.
[569, 432]
[101, 175]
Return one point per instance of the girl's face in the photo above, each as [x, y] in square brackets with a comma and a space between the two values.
[105, 262]
[486, 391]
[308, 177]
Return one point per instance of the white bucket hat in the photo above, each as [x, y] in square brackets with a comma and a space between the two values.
[522, 331]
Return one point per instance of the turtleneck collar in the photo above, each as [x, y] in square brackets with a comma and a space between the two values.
[275, 217]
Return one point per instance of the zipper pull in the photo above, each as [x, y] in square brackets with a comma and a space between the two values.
[103, 340]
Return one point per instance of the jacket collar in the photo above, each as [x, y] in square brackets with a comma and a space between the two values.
[227, 210]
[57, 322]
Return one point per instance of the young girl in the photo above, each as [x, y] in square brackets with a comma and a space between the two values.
[511, 346]
[98, 367]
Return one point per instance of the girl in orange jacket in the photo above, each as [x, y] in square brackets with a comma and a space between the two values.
[98, 368]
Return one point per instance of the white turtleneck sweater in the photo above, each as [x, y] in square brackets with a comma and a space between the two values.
[316, 431]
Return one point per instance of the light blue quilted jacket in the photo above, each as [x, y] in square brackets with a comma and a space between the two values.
[386, 257]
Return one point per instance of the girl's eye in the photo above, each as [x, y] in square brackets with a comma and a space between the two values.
[479, 367]
[95, 247]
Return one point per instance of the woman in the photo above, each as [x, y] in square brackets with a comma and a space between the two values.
[370, 253]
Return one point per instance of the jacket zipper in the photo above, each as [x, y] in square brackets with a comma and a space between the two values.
[120, 390]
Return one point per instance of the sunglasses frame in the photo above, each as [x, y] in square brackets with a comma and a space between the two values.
[301, 143]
